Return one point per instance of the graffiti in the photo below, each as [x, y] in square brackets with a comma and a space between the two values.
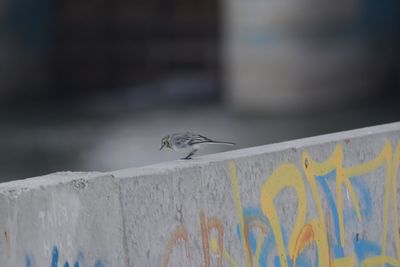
[179, 234]
[55, 260]
[338, 196]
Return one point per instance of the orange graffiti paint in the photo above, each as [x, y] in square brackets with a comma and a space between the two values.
[206, 227]
[304, 240]
[180, 234]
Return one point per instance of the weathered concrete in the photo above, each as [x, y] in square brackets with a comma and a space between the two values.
[76, 216]
[323, 201]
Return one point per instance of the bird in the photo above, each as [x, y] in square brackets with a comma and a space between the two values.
[189, 141]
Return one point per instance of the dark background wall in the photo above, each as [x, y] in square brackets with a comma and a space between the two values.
[75, 46]
[109, 44]
[84, 46]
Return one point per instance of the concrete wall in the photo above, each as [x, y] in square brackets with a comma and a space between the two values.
[323, 201]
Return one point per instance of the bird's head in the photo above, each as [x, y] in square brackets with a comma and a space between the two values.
[166, 142]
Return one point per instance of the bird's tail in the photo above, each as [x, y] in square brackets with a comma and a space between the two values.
[223, 143]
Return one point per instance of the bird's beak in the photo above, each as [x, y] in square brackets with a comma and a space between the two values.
[162, 146]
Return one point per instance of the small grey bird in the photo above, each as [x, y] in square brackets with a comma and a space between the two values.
[189, 142]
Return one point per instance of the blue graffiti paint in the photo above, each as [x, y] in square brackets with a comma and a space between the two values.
[338, 250]
[277, 262]
[362, 248]
[80, 257]
[251, 238]
[54, 257]
[28, 261]
[366, 203]
[269, 242]
[304, 260]
[365, 248]
[257, 213]
[99, 264]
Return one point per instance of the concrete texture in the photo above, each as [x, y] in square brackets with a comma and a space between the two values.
[330, 200]
[61, 218]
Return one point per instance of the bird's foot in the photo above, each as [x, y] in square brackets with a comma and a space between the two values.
[189, 156]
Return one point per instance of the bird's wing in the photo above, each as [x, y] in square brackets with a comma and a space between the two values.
[181, 140]
[198, 139]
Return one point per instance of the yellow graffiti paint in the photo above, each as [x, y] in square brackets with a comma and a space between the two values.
[377, 261]
[313, 169]
[387, 196]
[304, 240]
[214, 245]
[370, 166]
[348, 261]
[395, 172]
[287, 175]
[229, 259]
[217, 245]
[239, 210]
[306, 232]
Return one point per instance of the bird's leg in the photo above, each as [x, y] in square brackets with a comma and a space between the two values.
[189, 156]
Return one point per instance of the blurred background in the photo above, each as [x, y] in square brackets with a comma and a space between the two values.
[94, 85]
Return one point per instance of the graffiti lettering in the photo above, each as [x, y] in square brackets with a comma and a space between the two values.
[55, 260]
[320, 239]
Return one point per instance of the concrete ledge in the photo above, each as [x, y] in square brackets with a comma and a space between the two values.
[330, 200]
[62, 218]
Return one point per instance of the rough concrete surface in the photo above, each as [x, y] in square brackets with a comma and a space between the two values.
[60, 219]
[330, 200]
